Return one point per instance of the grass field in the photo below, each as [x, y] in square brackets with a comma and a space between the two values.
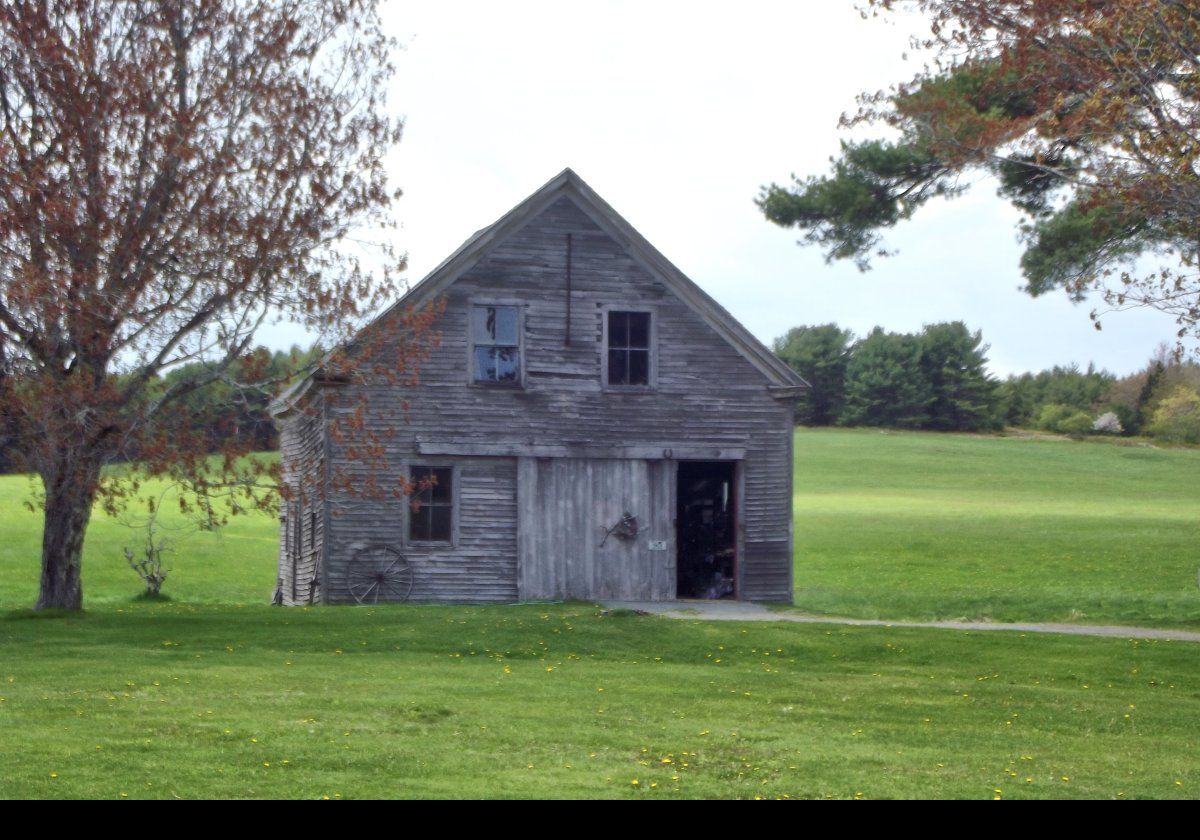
[175, 700]
[895, 525]
[216, 694]
[235, 565]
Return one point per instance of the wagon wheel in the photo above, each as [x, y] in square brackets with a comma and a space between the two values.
[378, 573]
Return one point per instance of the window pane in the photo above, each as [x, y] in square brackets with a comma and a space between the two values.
[639, 367]
[480, 333]
[506, 325]
[418, 528]
[618, 329]
[494, 325]
[439, 525]
[639, 329]
[419, 475]
[618, 367]
[442, 490]
[485, 364]
[497, 364]
[506, 362]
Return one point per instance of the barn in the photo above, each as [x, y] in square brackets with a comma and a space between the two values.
[592, 425]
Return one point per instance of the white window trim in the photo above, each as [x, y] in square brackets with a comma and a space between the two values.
[497, 302]
[653, 378]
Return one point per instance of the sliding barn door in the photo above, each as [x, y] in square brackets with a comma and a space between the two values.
[567, 545]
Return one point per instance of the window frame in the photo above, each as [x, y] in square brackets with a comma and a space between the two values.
[455, 503]
[498, 303]
[652, 378]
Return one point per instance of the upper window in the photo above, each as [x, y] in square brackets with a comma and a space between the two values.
[629, 349]
[496, 344]
[431, 512]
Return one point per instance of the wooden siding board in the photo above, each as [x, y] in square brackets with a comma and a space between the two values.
[481, 564]
[302, 529]
[568, 504]
[708, 397]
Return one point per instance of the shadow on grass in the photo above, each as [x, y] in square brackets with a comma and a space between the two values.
[30, 614]
[151, 598]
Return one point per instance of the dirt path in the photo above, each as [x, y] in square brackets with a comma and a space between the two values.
[744, 611]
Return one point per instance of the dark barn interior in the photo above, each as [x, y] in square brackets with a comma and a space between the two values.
[706, 519]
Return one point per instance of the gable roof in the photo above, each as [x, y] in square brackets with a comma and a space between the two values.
[784, 381]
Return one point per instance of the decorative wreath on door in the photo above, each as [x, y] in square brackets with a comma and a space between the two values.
[625, 529]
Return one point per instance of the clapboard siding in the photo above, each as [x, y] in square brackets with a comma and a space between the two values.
[480, 566]
[302, 520]
[709, 394]
[766, 567]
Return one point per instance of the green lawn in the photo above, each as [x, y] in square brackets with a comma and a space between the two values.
[217, 694]
[235, 565]
[909, 525]
[180, 700]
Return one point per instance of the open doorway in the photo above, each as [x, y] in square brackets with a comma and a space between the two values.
[706, 530]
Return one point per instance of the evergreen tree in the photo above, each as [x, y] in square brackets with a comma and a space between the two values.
[819, 354]
[1141, 410]
[1085, 112]
[885, 385]
[954, 365]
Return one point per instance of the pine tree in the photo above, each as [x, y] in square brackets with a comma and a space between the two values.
[954, 365]
[885, 385]
[819, 354]
[1086, 115]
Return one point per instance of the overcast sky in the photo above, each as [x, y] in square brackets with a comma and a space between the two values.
[677, 113]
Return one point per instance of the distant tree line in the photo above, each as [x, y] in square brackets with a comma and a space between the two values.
[934, 379]
[938, 379]
[1162, 400]
[233, 409]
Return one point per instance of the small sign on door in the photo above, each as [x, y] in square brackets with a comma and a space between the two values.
[658, 545]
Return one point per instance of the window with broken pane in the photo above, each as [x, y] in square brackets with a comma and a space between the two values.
[629, 348]
[496, 338]
[431, 509]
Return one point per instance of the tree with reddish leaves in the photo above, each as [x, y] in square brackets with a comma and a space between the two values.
[1087, 113]
[173, 175]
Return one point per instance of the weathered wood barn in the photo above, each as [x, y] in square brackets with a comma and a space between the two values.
[592, 425]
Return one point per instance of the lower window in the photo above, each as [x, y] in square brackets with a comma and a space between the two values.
[431, 510]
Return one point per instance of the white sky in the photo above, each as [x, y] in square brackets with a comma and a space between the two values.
[677, 113]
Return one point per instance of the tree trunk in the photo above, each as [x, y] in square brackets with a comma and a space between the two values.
[70, 492]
